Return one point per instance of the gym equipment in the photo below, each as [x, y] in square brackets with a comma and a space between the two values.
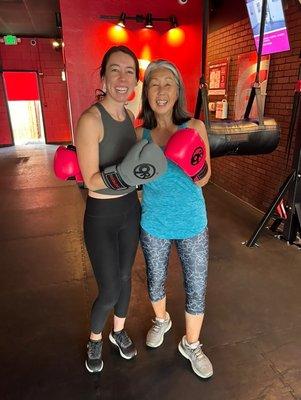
[291, 214]
[244, 137]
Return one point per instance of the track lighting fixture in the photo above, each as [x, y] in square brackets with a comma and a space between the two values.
[147, 20]
[121, 21]
[173, 21]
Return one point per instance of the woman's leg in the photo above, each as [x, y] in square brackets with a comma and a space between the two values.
[102, 246]
[159, 308]
[101, 243]
[128, 238]
[193, 253]
[156, 252]
[106, 224]
[193, 325]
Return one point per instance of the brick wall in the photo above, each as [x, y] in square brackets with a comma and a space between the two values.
[43, 59]
[256, 179]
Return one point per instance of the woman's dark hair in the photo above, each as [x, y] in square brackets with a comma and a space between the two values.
[116, 49]
[179, 114]
[99, 94]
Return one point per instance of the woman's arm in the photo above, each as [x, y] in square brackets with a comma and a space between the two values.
[89, 133]
[200, 127]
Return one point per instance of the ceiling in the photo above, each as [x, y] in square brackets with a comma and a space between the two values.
[36, 18]
[224, 12]
[32, 18]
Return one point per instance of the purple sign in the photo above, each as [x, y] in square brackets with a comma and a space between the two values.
[275, 37]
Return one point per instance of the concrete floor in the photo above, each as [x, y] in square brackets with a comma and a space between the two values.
[252, 331]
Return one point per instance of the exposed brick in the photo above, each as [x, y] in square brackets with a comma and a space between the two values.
[257, 179]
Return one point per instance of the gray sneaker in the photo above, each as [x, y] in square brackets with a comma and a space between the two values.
[155, 335]
[200, 363]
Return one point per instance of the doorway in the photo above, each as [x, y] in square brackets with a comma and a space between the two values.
[24, 105]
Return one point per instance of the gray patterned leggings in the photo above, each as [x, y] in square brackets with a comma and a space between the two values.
[193, 253]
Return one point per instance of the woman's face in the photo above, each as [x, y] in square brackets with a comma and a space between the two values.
[120, 76]
[162, 91]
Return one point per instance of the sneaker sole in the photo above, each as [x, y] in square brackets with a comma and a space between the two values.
[112, 340]
[154, 346]
[182, 351]
[90, 370]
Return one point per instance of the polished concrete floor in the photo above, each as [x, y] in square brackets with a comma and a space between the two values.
[252, 330]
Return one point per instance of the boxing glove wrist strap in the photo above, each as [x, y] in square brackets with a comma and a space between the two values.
[201, 174]
[112, 178]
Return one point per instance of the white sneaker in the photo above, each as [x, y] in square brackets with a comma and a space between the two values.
[200, 363]
[155, 335]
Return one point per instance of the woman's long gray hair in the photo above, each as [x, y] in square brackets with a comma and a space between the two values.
[179, 114]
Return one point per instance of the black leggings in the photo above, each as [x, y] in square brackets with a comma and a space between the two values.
[111, 231]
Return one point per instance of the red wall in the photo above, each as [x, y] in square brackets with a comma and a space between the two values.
[86, 40]
[5, 130]
[53, 92]
[257, 179]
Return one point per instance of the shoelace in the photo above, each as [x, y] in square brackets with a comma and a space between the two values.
[198, 352]
[94, 350]
[125, 341]
[157, 325]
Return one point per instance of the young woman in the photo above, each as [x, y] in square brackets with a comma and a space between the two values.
[112, 164]
[173, 209]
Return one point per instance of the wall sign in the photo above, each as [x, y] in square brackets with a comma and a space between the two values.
[246, 76]
[218, 77]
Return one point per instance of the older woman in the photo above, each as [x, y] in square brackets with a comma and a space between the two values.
[173, 209]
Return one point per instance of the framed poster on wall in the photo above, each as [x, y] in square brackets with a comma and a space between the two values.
[218, 77]
[246, 76]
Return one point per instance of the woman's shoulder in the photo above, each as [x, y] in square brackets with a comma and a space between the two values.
[90, 116]
[199, 126]
[196, 124]
[90, 122]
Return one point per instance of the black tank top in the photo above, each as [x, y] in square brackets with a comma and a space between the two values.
[118, 138]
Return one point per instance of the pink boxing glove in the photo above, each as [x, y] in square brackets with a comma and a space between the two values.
[187, 149]
[201, 174]
[65, 164]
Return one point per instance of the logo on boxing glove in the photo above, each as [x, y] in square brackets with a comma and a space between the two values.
[197, 156]
[144, 171]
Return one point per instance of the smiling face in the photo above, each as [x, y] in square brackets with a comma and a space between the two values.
[162, 91]
[120, 76]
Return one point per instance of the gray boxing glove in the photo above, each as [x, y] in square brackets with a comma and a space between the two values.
[143, 163]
